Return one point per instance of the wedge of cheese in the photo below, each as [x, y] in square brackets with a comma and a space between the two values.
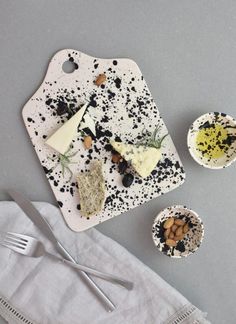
[143, 159]
[62, 138]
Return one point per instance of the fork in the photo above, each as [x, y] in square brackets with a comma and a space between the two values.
[32, 247]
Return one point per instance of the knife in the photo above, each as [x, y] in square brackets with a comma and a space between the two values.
[39, 221]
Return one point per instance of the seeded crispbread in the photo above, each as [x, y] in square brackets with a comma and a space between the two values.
[91, 185]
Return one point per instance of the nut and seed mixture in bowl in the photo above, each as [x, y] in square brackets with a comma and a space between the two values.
[177, 231]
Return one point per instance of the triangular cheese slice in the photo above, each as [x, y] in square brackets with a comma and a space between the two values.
[62, 138]
[143, 159]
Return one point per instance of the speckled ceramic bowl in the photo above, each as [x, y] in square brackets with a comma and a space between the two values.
[192, 239]
[204, 122]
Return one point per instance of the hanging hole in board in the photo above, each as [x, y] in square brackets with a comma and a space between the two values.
[69, 67]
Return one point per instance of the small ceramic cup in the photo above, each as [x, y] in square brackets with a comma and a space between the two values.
[191, 240]
[204, 122]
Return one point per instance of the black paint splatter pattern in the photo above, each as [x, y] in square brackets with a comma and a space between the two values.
[121, 108]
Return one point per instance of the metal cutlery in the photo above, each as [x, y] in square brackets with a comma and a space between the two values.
[39, 221]
[32, 247]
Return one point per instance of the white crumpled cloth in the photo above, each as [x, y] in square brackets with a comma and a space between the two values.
[44, 291]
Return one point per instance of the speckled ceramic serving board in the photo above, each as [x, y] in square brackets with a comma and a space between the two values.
[122, 108]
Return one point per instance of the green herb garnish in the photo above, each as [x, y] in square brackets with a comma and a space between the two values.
[152, 139]
[64, 160]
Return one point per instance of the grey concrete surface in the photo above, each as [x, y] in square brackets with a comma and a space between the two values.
[187, 52]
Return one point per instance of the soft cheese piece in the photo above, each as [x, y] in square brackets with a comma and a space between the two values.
[91, 187]
[62, 138]
[88, 123]
[143, 159]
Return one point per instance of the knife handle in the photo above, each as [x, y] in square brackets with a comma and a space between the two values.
[103, 275]
[103, 298]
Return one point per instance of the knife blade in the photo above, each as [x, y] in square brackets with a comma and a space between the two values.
[40, 222]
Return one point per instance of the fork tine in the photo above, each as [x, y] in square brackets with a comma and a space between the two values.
[20, 236]
[12, 247]
[16, 237]
[15, 241]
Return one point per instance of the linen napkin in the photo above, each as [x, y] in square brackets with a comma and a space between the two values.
[44, 291]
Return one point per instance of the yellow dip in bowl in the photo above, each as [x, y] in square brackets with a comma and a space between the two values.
[212, 140]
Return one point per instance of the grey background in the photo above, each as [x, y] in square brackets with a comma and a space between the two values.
[187, 53]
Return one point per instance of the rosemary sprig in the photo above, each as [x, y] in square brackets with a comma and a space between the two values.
[152, 139]
[65, 160]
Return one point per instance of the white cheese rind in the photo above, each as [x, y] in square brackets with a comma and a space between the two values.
[62, 138]
[143, 159]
